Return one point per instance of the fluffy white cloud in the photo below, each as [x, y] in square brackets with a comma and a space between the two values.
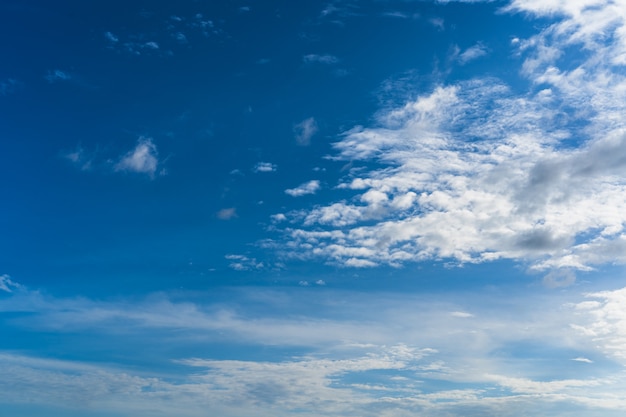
[304, 131]
[310, 187]
[143, 159]
[474, 171]
[472, 53]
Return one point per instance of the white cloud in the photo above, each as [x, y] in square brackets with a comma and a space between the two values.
[367, 355]
[7, 284]
[243, 263]
[143, 159]
[474, 172]
[310, 187]
[472, 53]
[305, 130]
[320, 59]
[265, 167]
[227, 213]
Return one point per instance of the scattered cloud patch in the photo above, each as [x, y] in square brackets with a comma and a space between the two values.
[8, 86]
[305, 130]
[265, 167]
[474, 172]
[111, 37]
[320, 59]
[7, 284]
[54, 76]
[143, 159]
[310, 187]
[472, 53]
[244, 263]
[437, 22]
[227, 213]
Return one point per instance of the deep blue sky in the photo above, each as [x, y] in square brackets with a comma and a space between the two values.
[346, 208]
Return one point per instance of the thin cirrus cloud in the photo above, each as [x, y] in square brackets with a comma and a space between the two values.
[320, 59]
[517, 189]
[397, 354]
[227, 213]
[305, 130]
[57, 75]
[310, 187]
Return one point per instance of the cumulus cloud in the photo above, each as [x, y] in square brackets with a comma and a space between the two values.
[265, 167]
[143, 159]
[305, 130]
[310, 187]
[474, 171]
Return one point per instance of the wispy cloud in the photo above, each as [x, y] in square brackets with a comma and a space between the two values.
[57, 75]
[227, 213]
[7, 284]
[310, 187]
[472, 53]
[320, 59]
[265, 167]
[243, 263]
[8, 86]
[395, 354]
[143, 159]
[305, 130]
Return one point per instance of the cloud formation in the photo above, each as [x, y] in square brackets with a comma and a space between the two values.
[227, 213]
[305, 130]
[372, 355]
[310, 187]
[143, 159]
[265, 167]
[475, 171]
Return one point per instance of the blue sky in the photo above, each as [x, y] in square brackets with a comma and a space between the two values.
[346, 208]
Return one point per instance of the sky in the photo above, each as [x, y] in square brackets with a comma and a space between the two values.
[347, 208]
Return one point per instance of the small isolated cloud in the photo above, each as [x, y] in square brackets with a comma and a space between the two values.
[151, 45]
[473, 53]
[8, 86]
[79, 158]
[265, 167]
[243, 263]
[227, 213]
[57, 75]
[461, 314]
[7, 284]
[437, 22]
[305, 130]
[244, 9]
[320, 59]
[111, 37]
[310, 187]
[320, 282]
[584, 360]
[143, 159]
